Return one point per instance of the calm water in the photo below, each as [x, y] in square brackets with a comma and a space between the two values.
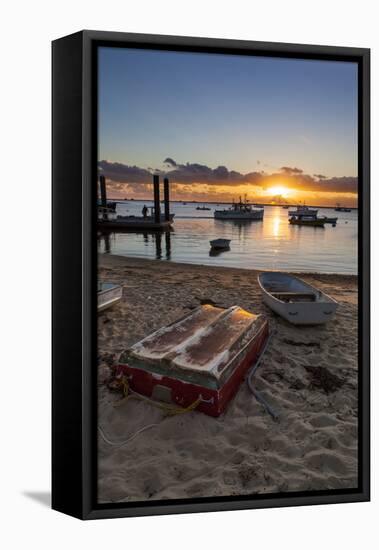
[271, 244]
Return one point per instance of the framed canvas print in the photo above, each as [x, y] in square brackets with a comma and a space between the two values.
[210, 274]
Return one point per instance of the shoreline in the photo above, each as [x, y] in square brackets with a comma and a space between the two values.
[309, 375]
[116, 259]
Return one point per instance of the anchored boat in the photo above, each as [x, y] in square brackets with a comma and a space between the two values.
[220, 244]
[296, 301]
[340, 208]
[303, 211]
[199, 360]
[240, 211]
[311, 221]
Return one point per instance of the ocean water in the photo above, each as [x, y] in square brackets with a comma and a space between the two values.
[269, 244]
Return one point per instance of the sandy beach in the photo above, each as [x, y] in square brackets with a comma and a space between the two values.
[308, 375]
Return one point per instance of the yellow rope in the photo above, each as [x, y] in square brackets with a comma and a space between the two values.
[170, 410]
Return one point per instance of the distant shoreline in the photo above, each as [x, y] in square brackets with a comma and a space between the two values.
[122, 201]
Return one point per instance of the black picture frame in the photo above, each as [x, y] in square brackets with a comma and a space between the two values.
[74, 149]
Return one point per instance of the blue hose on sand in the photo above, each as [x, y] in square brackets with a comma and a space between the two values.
[256, 394]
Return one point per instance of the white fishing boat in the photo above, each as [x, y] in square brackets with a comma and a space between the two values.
[296, 301]
[240, 211]
[303, 210]
[220, 244]
[108, 294]
[340, 208]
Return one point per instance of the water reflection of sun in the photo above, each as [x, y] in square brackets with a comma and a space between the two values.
[276, 226]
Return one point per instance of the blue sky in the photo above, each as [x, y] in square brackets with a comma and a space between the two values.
[246, 113]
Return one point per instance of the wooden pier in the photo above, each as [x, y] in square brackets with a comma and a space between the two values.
[157, 221]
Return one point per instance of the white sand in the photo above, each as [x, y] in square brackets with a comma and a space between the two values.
[313, 446]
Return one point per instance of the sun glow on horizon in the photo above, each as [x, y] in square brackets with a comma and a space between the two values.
[279, 190]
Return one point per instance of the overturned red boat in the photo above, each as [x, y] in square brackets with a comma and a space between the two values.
[201, 358]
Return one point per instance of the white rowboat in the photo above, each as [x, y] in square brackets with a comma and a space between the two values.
[296, 301]
[220, 244]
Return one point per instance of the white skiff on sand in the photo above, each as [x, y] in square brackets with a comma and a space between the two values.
[296, 301]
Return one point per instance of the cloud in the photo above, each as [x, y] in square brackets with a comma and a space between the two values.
[169, 161]
[139, 179]
[288, 170]
[123, 173]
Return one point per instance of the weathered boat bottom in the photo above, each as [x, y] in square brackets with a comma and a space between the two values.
[203, 357]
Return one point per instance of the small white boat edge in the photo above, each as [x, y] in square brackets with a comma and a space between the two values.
[108, 295]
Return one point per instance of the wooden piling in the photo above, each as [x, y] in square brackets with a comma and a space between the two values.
[103, 191]
[157, 208]
[166, 192]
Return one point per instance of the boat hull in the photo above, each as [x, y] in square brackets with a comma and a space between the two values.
[309, 223]
[108, 295]
[220, 244]
[220, 215]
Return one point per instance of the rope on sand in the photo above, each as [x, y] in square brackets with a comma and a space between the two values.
[170, 409]
[122, 443]
[128, 393]
[255, 392]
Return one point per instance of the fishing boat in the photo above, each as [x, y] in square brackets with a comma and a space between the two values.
[311, 221]
[285, 206]
[202, 208]
[108, 294]
[303, 210]
[295, 300]
[240, 211]
[340, 208]
[199, 361]
[220, 244]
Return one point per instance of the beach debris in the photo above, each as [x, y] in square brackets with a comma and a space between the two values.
[323, 379]
[107, 358]
[300, 343]
[297, 384]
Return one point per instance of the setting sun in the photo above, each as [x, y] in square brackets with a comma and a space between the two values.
[279, 190]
